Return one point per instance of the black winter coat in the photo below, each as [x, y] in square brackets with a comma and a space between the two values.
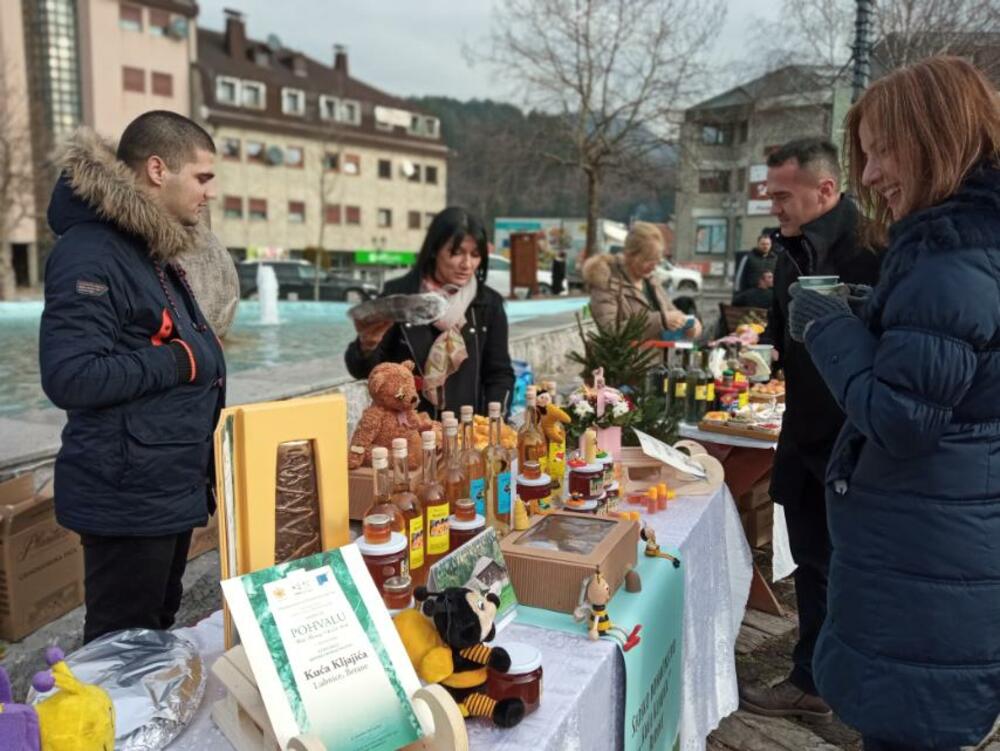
[910, 650]
[829, 245]
[136, 455]
[486, 375]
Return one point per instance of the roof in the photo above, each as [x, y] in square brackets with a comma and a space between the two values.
[790, 79]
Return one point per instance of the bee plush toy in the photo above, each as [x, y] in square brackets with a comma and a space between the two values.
[444, 640]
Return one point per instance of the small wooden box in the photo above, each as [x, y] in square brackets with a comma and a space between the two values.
[549, 561]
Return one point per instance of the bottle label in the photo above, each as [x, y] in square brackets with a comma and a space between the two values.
[503, 493]
[416, 542]
[681, 389]
[700, 392]
[437, 532]
[710, 393]
[477, 492]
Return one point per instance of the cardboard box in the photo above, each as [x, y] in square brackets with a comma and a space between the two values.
[759, 495]
[204, 539]
[41, 563]
[544, 577]
[763, 525]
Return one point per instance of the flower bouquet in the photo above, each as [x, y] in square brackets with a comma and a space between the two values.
[606, 409]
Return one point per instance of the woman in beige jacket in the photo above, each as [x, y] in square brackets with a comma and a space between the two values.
[626, 284]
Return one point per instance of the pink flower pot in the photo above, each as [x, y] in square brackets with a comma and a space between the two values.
[610, 440]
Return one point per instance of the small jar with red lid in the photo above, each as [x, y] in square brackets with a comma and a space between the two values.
[523, 680]
[535, 491]
[585, 479]
[385, 560]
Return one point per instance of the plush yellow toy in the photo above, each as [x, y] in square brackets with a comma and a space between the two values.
[80, 717]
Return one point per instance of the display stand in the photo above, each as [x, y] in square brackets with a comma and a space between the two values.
[242, 717]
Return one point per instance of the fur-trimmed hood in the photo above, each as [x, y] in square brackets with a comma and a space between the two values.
[598, 270]
[94, 182]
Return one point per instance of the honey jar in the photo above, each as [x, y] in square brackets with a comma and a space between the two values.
[535, 490]
[397, 592]
[586, 480]
[465, 510]
[523, 680]
[462, 531]
[385, 560]
[377, 528]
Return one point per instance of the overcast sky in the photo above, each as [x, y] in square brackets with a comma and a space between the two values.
[412, 48]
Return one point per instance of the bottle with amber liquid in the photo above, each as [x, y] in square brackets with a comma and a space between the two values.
[472, 462]
[496, 463]
[431, 495]
[531, 444]
[452, 474]
[383, 490]
[409, 506]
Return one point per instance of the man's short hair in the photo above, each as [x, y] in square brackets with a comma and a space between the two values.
[814, 154]
[172, 137]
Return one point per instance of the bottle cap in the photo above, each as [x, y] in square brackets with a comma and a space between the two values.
[466, 412]
[451, 426]
[494, 409]
[429, 439]
[447, 415]
[399, 447]
[380, 457]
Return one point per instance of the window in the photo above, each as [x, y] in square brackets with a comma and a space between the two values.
[293, 101]
[384, 217]
[710, 236]
[385, 169]
[431, 175]
[294, 157]
[331, 213]
[231, 148]
[258, 208]
[424, 126]
[431, 126]
[328, 107]
[253, 95]
[227, 90]
[331, 161]
[232, 207]
[163, 84]
[296, 212]
[415, 175]
[261, 57]
[129, 17]
[717, 135]
[354, 215]
[256, 152]
[713, 181]
[350, 113]
[741, 178]
[134, 79]
[159, 22]
[413, 220]
[352, 164]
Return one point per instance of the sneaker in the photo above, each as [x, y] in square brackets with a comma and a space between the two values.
[784, 700]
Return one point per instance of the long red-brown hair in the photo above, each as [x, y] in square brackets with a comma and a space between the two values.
[939, 118]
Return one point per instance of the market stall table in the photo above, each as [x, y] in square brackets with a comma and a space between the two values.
[584, 679]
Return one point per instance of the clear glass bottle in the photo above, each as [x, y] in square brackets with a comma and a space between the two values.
[531, 444]
[678, 382]
[431, 495]
[472, 462]
[695, 389]
[452, 474]
[409, 505]
[496, 462]
[382, 503]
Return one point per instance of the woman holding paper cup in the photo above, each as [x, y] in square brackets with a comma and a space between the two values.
[462, 356]
[625, 285]
[910, 650]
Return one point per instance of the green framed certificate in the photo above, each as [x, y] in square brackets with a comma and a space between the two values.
[326, 656]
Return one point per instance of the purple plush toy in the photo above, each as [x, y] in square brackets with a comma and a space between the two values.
[18, 722]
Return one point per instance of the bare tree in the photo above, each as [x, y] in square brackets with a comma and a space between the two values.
[618, 72]
[16, 173]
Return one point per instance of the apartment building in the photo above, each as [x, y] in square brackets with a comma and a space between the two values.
[311, 157]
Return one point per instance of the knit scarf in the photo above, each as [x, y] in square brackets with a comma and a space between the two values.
[448, 351]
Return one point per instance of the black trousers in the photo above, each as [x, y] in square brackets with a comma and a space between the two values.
[809, 540]
[132, 582]
[871, 744]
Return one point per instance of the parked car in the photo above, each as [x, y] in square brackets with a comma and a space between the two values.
[297, 281]
[679, 279]
[498, 277]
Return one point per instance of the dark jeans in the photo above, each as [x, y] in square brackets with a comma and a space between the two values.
[132, 582]
[809, 540]
[871, 744]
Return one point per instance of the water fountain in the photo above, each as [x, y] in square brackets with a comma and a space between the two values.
[267, 294]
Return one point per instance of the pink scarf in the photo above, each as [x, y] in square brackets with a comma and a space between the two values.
[448, 351]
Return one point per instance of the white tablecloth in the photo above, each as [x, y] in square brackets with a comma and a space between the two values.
[584, 681]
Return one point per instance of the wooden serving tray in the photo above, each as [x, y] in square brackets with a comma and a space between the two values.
[765, 399]
[739, 432]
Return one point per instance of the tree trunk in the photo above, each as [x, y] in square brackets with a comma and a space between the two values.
[7, 281]
[593, 187]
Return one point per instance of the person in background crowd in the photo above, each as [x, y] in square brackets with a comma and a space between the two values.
[762, 258]
[558, 271]
[462, 358]
[126, 351]
[626, 284]
[760, 296]
[819, 235]
[910, 653]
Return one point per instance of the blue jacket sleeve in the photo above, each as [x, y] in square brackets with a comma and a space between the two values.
[900, 388]
[85, 307]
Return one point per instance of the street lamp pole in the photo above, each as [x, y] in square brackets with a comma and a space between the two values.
[862, 48]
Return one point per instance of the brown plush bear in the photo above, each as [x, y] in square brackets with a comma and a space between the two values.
[392, 414]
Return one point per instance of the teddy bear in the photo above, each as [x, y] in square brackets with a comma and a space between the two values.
[392, 414]
[444, 640]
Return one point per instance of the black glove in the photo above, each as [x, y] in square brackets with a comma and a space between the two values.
[807, 305]
[857, 296]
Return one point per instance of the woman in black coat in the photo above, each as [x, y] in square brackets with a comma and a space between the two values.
[910, 650]
[463, 357]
